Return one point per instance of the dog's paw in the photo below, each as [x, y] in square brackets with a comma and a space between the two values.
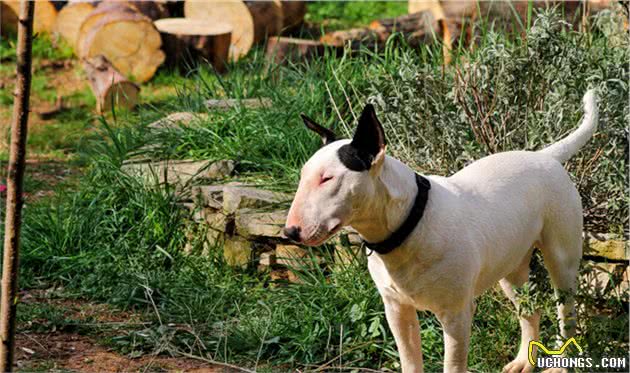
[518, 366]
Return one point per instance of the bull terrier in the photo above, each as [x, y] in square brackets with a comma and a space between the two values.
[439, 242]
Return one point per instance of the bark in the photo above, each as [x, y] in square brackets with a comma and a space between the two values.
[15, 181]
[185, 38]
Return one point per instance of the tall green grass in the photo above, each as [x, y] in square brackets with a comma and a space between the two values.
[120, 241]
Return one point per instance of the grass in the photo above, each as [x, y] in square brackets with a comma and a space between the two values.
[342, 15]
[113, 239]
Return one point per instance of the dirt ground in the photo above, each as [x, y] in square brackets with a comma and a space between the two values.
[64, 349]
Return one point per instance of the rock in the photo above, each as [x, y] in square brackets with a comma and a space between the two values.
[296, 257]
[208, 196]
[214, 239]
[603, 279]
[266, 261]
[179, 172]
[611, 249]
[239, 197]
[175, 121]
[290, 255]
[251, 223]
[347, 247]
[237, 251]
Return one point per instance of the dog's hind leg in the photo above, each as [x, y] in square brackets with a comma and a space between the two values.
[562, 254]
[529, 322]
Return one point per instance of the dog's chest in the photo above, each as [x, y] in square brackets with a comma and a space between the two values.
[406, 284]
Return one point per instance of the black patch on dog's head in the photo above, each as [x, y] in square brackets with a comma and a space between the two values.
[367, 142]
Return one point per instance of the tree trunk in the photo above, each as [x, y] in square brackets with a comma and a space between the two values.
[15, 181]
[128, 39]
[192, 38]
[110, 87]
[251, 21]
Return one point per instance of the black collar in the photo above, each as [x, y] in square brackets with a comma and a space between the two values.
[417, 210]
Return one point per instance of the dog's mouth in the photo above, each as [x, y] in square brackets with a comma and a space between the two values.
[322, 236]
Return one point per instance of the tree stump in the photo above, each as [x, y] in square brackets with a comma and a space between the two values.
[184, 37]
[251, 21]
[43, 21]
[128, 39]
[110, 87]
[292, 15]
[70, 18]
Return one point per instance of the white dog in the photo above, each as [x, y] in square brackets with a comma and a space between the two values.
[441, 241]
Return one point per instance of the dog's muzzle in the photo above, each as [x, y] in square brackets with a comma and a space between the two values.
[292, 233]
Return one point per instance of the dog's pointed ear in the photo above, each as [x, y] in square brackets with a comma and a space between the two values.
[369, 137]
[327, 135]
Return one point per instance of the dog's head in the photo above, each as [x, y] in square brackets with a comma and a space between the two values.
[337, 180]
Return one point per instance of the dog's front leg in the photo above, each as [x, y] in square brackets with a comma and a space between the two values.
[403, 321]
[456, 325]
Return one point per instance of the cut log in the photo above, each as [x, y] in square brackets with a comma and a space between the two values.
[185, 37]
[110, 87]
[94, 16]
[8, 20]
[417, 28]
[292, 15]
[128, 39]
[281, 49]
[43, 21]
[251, 21]
[152, 9]
[70, 18]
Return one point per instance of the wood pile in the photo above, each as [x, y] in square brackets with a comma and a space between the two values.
[252, 21]
[125, 36]
[43, 20]
[185, 38]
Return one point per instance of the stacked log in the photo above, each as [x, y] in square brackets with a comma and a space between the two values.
[109, 86]
[70, 18]
[152, 9]
[183, 38]
[292, 15]
[43, 20]
[123, 35]
[252, 21]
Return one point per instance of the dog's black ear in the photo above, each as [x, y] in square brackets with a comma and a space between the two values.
[327, 135]
[369, 136]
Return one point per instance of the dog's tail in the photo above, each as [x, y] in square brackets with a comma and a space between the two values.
[567, 147]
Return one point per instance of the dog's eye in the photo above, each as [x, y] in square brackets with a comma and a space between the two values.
[324, 179]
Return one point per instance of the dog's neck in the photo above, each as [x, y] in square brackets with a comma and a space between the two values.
[394, 194]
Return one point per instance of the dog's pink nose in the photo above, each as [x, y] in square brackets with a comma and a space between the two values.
[292, 233]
